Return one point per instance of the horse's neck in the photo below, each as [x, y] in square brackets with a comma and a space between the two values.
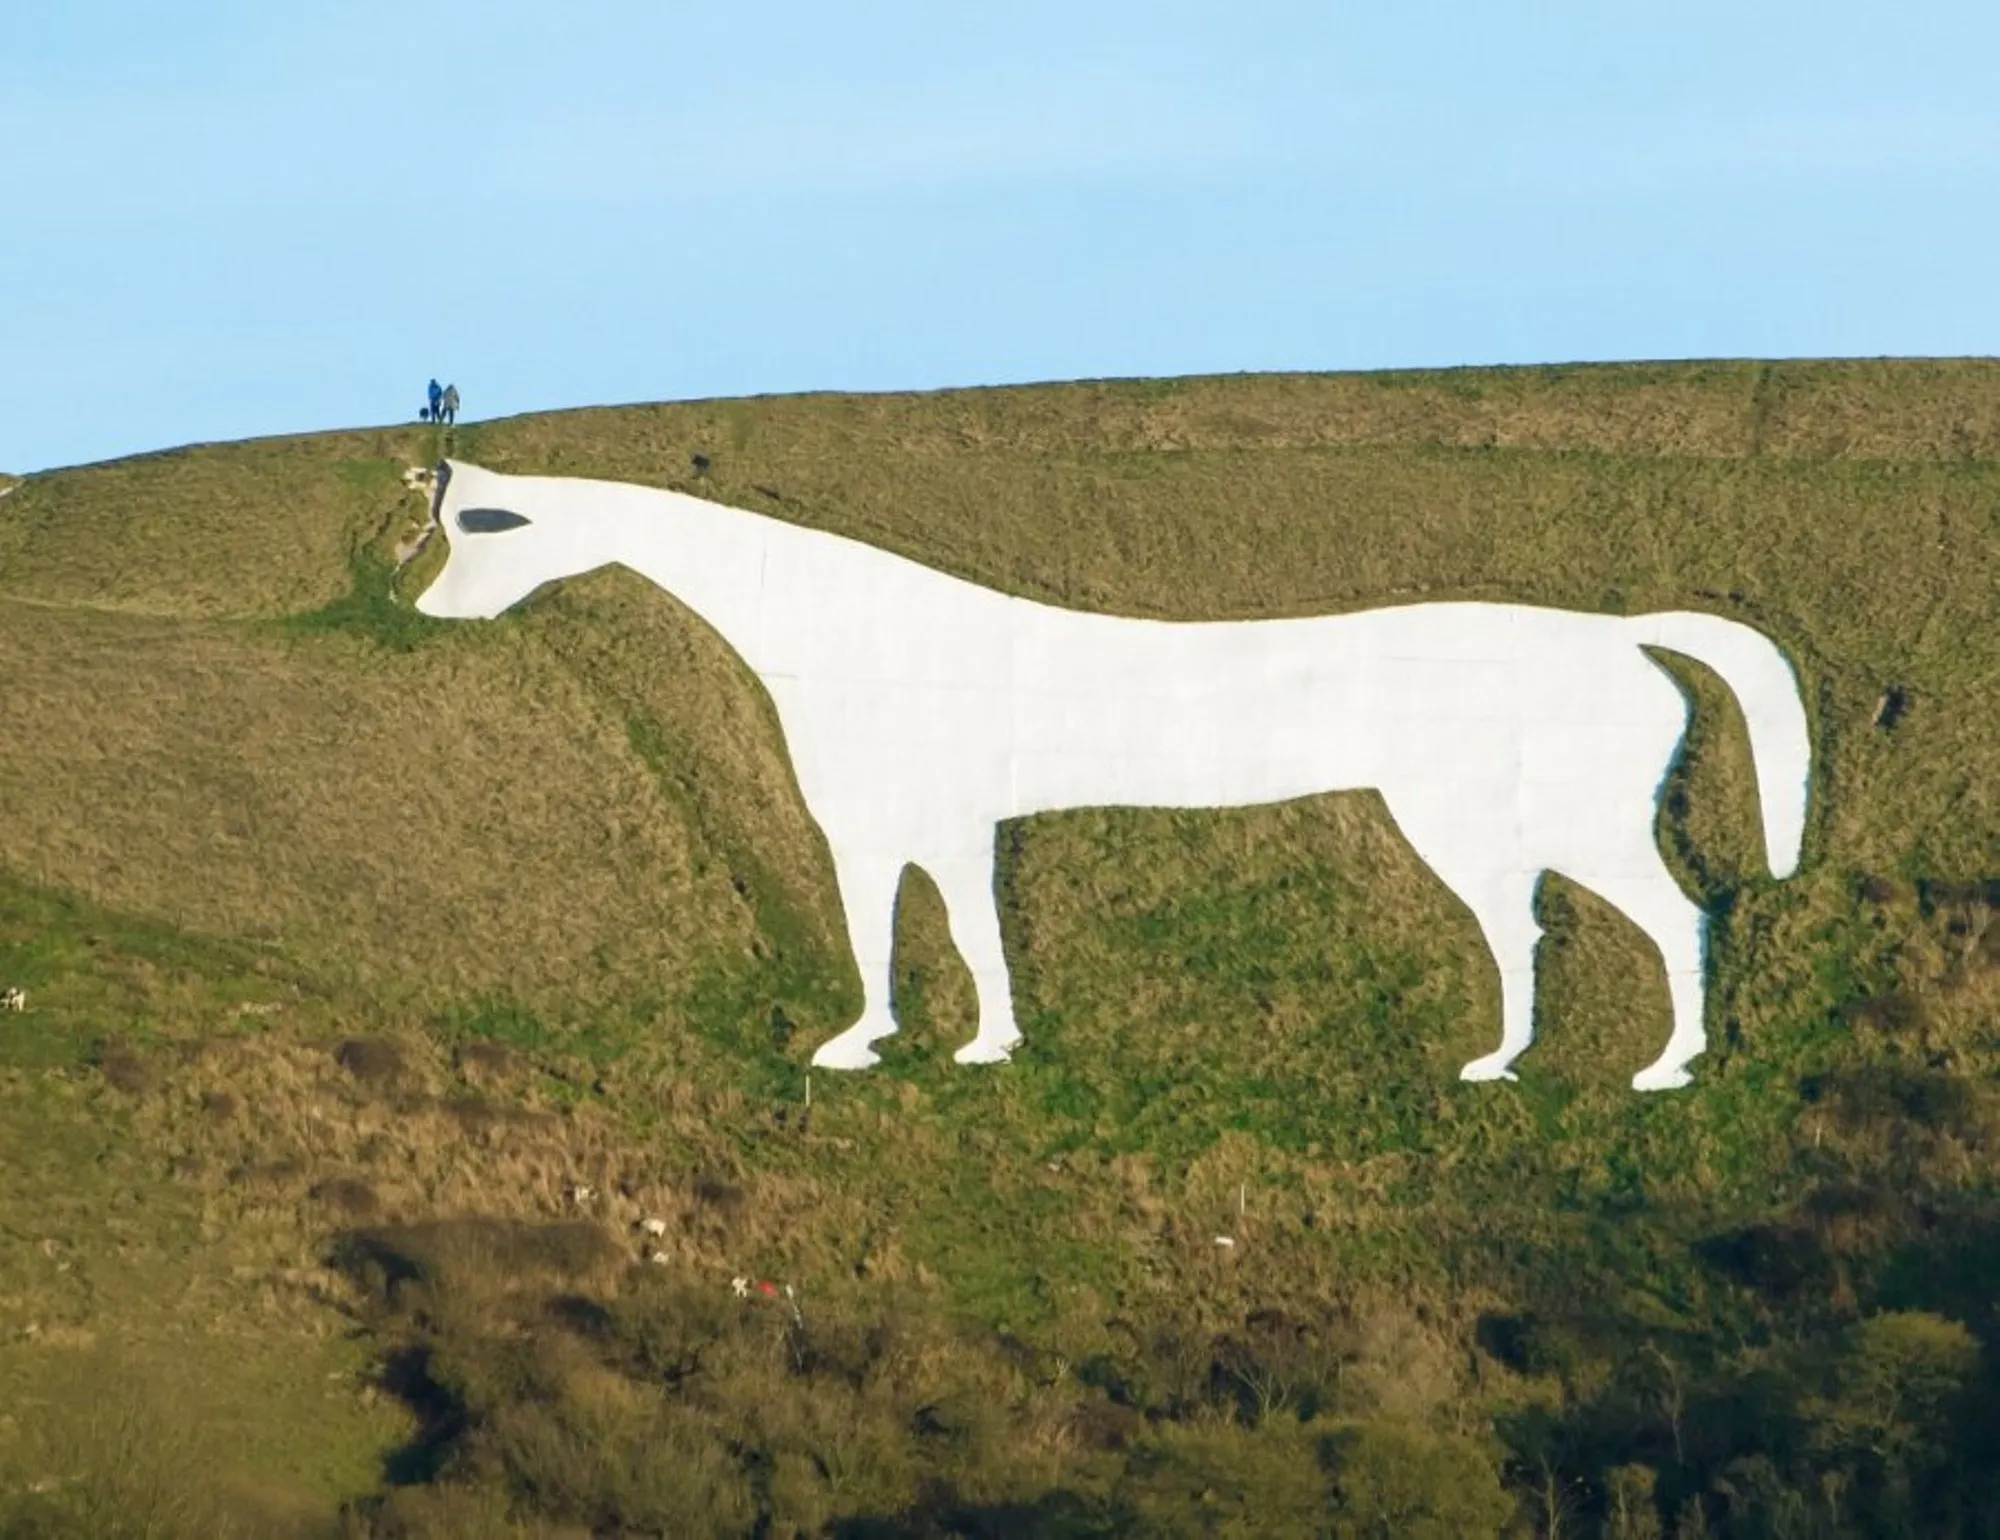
[711, 559]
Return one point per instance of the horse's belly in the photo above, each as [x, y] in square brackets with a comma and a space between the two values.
[1230, 748]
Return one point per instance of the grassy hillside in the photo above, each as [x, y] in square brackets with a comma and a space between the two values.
[352, 940]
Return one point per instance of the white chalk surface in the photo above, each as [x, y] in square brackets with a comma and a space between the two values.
[921, 710]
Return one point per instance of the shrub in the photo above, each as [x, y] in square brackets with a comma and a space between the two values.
[374, 1061]
[124, 1067]
[1404, 1482]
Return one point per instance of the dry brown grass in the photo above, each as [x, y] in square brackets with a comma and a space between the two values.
[474, 816]
[343, 803]
[230, 529]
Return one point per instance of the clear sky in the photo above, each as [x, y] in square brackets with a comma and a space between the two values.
[220, 219]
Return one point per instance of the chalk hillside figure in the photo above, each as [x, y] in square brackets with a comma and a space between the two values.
[921, 711]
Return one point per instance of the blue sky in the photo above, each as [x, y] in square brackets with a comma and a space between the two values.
[220, 219]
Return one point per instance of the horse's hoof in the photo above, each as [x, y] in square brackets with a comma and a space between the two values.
[986, 1053]
[1480, 1070]
[853, 1056]
[1661, 1080]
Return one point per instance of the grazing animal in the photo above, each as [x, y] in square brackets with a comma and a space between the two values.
[13, 1000]
[922, 710]
[653, 1227]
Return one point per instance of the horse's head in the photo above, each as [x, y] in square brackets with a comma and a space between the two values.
[508, 535]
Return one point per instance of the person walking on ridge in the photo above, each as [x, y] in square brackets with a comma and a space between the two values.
[437, 397]
[449, 403]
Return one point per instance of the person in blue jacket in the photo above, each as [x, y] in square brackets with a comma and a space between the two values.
[437, 398]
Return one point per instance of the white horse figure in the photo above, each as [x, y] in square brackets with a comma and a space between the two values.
[921, 711]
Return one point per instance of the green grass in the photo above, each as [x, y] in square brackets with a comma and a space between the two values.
[371, 609]
[561, 861]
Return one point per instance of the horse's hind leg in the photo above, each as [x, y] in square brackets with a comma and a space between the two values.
[965, 881]
[1646, 893]
[1505, 909]
[1504, 906]
[868, 895]
[1461, 834]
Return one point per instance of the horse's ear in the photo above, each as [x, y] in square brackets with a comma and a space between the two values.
[490, 521]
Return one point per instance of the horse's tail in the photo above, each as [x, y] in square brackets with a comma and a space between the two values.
[1768, 691]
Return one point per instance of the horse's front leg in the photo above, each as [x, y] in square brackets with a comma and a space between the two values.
[868, 883]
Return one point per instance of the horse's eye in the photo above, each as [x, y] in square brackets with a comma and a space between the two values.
[488, 521]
